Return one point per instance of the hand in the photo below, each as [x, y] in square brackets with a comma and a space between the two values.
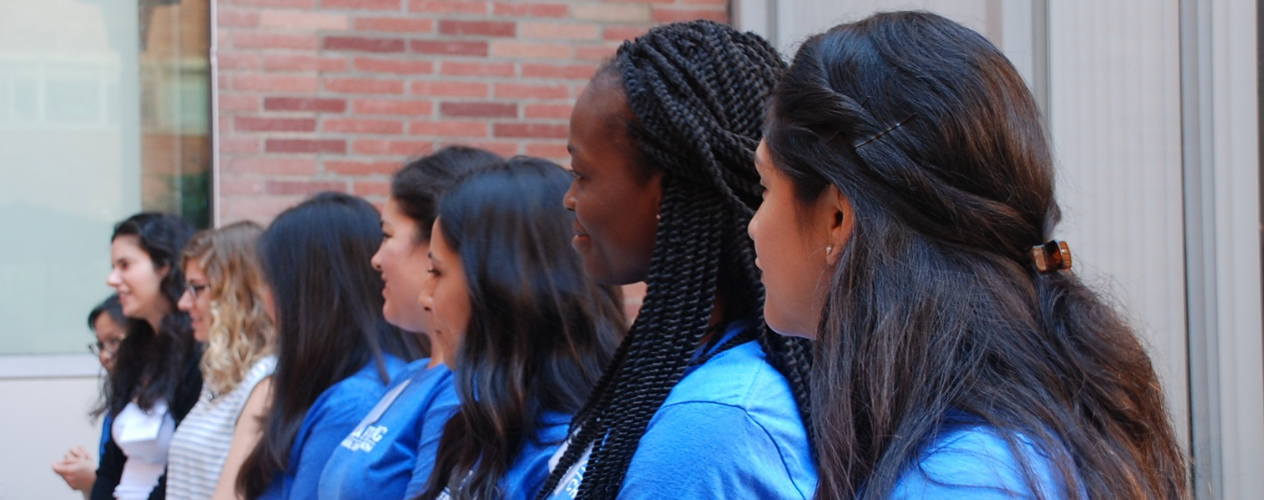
[77, 468]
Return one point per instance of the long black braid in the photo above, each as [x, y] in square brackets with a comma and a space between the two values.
[697, 91]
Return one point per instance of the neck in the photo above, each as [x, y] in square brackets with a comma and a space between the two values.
[155, 319]
[438, 355]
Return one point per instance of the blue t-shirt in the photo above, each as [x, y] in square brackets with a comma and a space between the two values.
[729, 429]
[971, 459]
[334, 414]
[527, 474]
[394, 446]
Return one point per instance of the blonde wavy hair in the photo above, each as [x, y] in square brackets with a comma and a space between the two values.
[241, 332]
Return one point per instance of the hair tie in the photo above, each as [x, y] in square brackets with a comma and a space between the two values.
[1052, 256]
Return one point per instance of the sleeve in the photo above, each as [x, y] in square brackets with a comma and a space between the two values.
[975, 465]
[109, 471]
[330, 420]
[444, 406]
[705, 450]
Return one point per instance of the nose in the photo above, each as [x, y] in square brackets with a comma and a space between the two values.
[114, 279]
[186, 301]
[426, 298]
[568, 199]
[376, 261]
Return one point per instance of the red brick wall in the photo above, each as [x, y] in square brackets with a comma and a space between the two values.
[335, 94]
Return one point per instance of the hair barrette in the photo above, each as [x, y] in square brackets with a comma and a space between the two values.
[1052, 256]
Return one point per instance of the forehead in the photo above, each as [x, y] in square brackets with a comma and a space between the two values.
[106, 327]
[128, 246]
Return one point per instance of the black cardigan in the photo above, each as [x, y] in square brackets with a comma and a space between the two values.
[110, 471]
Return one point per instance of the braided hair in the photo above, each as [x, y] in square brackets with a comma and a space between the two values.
[697, 92]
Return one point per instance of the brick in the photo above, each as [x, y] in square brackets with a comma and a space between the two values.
[308, 188]
[515, 49]
[364, 86]
[531, 130]
[257, 124]
[364, 44]
[238, 60]
[246, 103]
[397, 148]
[362, 168]
[531, 9]
[548, 111]
[363, 126]
[305, 104]
[257, 208]
[338, 146]
[304, 62]
[237, 18]
[528, 91]
[396, 66]
[462, 68]
[235, 185]
[363, 4]
[550, 150]
[559, 31]
[449, 48]
[563, 71]
[372, 188]
[449, 128]
[611, 13]
[394, 25]
[621, 33]
[255, 40]
[298, 20]
[449, 89]
[716, 3]
[238, 145]
[477, 28]
[277, 3]
[280, 83]
[595, 52]
[269, 165]
[478, 110]
[447, 7]
[392, 107]
[670, 15]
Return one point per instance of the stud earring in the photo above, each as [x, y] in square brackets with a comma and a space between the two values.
[829, 249]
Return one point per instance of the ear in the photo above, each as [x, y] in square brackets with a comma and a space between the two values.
[840, 219]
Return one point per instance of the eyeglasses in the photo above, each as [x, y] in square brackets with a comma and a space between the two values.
[194, 290]
[109, 347]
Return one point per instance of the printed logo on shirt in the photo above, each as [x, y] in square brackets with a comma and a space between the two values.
[568, 487]
[366, 439]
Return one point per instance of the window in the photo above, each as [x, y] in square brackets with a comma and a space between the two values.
[104, 111]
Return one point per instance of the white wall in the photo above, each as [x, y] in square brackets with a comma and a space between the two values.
[41, 419]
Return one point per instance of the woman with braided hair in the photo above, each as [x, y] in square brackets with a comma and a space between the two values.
[906, 227]
[700, 400]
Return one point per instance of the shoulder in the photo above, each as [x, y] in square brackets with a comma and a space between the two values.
[977, 460]
[350, 397]
[740, 377]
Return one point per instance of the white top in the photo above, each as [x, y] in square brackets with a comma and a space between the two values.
[201, 444]
[144, 437]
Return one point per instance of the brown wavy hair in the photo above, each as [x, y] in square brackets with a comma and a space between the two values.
[241, 333]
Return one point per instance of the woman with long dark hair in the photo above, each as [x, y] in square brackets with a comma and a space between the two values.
[907, 228]
[389, 454]
[226, 301]
[528, 333]
[336, 354]
[700, 400]
[156, 380]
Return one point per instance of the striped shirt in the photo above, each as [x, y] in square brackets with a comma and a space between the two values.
[201, 442]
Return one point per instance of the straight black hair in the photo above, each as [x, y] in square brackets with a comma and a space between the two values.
[149, 364]
[109, 307]
[417, 187]
[328, 303]
[936, 307]
[540, 331]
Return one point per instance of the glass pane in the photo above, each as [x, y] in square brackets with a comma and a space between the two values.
[77, 154]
